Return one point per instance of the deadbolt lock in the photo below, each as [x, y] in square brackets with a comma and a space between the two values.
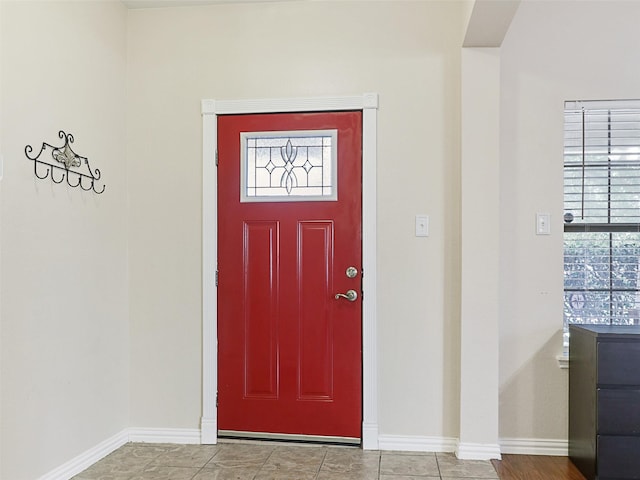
[352, 272]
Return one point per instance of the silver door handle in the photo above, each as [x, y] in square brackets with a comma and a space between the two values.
[351, 295]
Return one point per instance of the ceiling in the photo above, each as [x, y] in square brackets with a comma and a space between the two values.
[188, 3]
[487, 25]
[489, 22]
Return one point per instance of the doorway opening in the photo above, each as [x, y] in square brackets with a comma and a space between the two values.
[211, 109]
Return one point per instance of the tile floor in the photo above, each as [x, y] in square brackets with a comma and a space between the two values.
[274, 461]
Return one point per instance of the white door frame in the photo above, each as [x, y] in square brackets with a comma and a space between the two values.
[368, 103]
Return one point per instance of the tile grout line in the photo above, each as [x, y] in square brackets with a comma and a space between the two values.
[205, 464]
[326, 450]
[264, 463]
[438, 465]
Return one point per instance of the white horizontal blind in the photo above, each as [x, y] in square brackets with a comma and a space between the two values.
[602, 212]
[602, 165]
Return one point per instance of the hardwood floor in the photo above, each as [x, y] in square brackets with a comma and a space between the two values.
[536, 467]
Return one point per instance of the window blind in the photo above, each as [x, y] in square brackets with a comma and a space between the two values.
[602, 212]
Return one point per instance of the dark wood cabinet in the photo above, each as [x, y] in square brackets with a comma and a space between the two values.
[604, 401]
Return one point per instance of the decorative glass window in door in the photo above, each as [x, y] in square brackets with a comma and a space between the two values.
[289, 166]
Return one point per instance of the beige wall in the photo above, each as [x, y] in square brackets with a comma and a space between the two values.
[480, 252]
[64, 311]
[89, 347]
[554, 51]
[409, 53]
[1, 203]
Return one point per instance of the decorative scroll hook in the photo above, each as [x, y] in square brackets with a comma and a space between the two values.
[53, 179]
[64, 159]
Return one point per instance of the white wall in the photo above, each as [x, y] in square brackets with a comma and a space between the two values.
[66, 323]
[409, 53]
[480, 253]
[1, 165]
[554, 51]
[64, 311]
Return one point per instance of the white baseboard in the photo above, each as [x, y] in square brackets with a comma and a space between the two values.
[535, 446]
[165, 435]
[85, 460]
[208, 431]
[475, 451]
[149, 435]
[370, 436]
[478, 451]
[411, 443]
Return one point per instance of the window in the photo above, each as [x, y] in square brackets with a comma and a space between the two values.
[289, 166]
[602, 213]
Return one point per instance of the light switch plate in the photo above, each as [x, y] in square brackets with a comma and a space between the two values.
[422, 225]
[543, 224]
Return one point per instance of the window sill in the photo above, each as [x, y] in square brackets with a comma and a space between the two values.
[563, 361]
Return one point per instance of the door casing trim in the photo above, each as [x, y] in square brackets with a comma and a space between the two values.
[210, 109]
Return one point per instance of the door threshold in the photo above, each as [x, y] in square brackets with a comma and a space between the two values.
[289, 438]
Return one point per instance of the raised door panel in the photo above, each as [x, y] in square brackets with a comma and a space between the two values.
[260, 297]
[315, 308]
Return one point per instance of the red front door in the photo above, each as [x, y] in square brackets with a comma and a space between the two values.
[290, 352]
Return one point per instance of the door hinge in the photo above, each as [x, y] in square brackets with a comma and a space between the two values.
[216, 278]
[216, 157]
[216, 399]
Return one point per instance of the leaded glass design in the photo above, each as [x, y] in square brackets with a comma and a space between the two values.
[289, 166]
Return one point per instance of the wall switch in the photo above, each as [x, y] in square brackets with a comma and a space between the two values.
[422, 225]
[543, 224]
